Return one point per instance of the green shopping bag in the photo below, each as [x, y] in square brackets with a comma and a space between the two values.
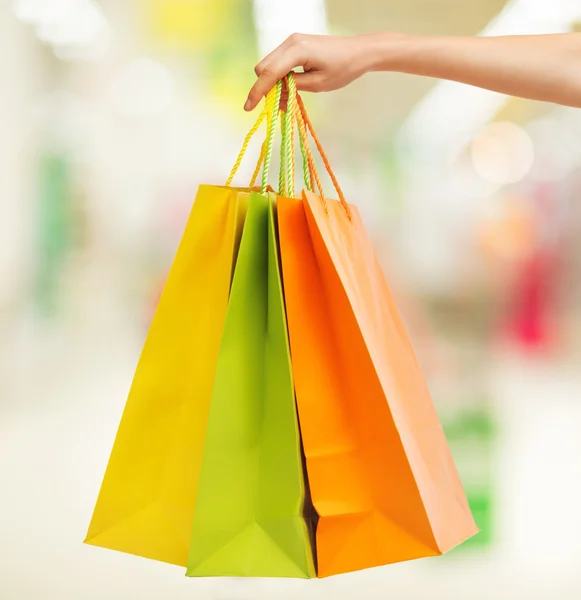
[248, 518]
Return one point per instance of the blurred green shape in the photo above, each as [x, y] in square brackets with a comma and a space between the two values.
[472, 422]
[54, 231]
[471, 432]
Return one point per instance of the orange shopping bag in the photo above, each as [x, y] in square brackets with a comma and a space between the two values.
[381, 475]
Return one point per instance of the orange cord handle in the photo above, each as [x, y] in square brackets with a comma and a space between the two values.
[314, 179]
[304, 117]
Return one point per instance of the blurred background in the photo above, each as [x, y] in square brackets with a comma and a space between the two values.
[113, 112]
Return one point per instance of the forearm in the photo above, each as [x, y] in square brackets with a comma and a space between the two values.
[543, 67]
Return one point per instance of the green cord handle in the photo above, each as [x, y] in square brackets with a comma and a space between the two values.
[286, 180]
[287, 162]
[289, 121]
[286, 174]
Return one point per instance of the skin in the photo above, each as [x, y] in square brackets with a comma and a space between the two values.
[538, 67]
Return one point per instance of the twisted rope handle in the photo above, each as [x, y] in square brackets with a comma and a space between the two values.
[277, 91]
[307, 171]
[287, 146]
[268, 108]
[282, 178]
[244, 148]
[296, 113]
[309, 164]
[258, 164]
[270, 112]
[309, 125]
[292, 162]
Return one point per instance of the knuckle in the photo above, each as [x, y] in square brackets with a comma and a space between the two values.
[301, 49]
[296, 38]
[268, 72]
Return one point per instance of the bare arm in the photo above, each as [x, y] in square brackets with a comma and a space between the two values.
[539, 67]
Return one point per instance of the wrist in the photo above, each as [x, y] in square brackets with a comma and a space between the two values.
[385, 51]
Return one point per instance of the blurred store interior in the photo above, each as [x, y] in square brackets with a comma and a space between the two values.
[113, 112]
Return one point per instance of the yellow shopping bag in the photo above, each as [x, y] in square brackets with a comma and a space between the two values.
[147, 499]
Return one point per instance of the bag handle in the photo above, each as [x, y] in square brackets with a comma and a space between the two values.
[310, 172]
[309, 126]
[270, 112]
[271, 128]
[287, 146]
[293, 117]
[297, 113]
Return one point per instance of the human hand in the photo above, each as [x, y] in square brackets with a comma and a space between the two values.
[329, 63]
[538, 67]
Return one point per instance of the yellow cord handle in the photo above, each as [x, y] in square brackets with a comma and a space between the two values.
[266, 113]
[296, 113]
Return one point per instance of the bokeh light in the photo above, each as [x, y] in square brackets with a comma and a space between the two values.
[502, 153]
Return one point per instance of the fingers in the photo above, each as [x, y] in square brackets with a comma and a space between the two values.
[274, 67]
[273, 72]
[262, 64]
[311, 81]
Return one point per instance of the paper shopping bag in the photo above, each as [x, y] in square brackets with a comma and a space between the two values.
[146, 502]
[248, 518]
[381, 475]
[382, 478]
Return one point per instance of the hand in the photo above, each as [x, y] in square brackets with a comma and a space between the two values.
[329, 63]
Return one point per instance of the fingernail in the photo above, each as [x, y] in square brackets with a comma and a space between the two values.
[248, 104]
